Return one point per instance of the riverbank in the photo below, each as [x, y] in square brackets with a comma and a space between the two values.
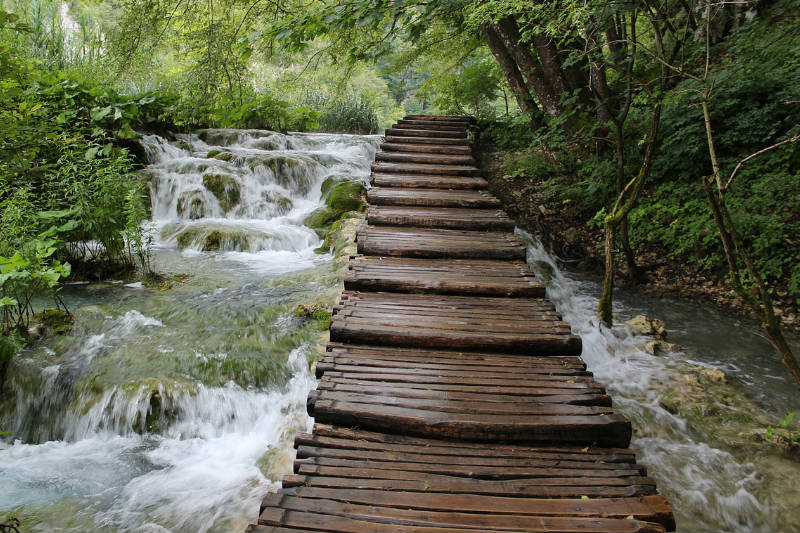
[570, 238]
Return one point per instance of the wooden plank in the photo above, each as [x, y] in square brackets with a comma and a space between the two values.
[648, 508]
[396, 241]
[334, 437]
[428, 181]
[410, 139]
[427, 148]
[433, 124]
[335, 516]
[450, 357]
[533, 488]
[442, 118]
[426, 158]
[439, 217]
[605, 430]
[420, 168]
[437, 134]
[431, 197]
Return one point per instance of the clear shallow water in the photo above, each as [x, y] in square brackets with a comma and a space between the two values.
[711, 489]
[175, 411]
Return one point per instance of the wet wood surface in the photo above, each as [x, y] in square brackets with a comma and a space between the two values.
[452, 397]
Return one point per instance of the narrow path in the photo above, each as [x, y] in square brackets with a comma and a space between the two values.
[453, 397]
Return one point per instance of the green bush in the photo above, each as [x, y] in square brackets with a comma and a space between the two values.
[345, 115]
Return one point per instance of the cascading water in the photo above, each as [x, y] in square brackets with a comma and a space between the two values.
[710, 489]
[175, 411]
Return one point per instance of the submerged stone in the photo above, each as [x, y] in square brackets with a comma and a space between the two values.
[642, 325]
[190, 205]
[225, 189]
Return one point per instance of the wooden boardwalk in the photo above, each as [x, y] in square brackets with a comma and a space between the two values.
[452, 397]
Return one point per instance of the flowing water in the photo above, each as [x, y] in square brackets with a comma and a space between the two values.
[711, 489]
[170, 411]
[173, 411]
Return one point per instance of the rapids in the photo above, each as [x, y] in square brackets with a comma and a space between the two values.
[174, 411]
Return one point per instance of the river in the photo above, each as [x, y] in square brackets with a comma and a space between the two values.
[175, 410]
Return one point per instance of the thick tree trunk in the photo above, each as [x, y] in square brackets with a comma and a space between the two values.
[515, 80]
[529, 66]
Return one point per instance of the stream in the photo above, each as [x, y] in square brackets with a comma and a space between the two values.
[175, 410]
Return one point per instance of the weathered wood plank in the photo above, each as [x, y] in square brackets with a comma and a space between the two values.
[399, 241]
[410, 139]
[431, 198]
[428, 181]
[648, 508]
[427, 148]
[421, 168]
[426, 158]
[415, 132]
[335, 516]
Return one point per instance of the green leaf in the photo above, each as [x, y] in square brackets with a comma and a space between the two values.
[91, 153]
[99, 113]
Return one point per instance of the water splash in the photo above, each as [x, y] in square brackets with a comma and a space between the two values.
[709, 488]
[127, 423]
[247, 190]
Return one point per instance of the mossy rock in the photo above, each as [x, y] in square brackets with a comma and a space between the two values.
[341, 197]
[214, 240]
[321, 219]
[53, 321]
[222, 156]
[282, 204]
[191, 206]
[225, 188]
[346, 196]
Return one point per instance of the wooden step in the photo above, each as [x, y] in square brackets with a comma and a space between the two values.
[428, 181]
[438, 243]
[452, 397]
[442, 118]
[440, 217]
[431, 197]
[427, 148]
[409, 132]
[418, 168]
[428, 159]
[395, 139]
[451, 276]
[512, 325]
[301, 508]
[430, 125]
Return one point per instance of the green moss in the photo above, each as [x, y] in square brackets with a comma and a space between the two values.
[10, 345]
[53, 321]
[282, 204]
[225, 188]
[346, 196]
[190, 205]
[213, 153]
[341, 198]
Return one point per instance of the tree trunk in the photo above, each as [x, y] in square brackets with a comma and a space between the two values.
[529, 66]
[606, 300]
[515, 81]
[630, 258]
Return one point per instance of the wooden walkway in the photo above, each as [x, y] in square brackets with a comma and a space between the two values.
[453, 398]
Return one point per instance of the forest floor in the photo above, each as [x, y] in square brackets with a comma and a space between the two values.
[573, 242]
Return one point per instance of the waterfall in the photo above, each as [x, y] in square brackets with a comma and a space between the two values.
[176, 411]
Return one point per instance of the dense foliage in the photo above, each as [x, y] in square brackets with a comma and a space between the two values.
[600, 105]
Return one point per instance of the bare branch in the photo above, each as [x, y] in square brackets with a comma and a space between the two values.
[756, 154]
